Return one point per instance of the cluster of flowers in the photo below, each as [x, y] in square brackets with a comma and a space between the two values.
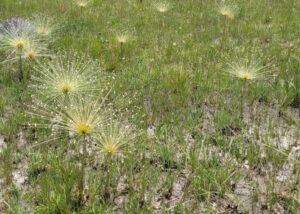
[68, 96]
[21, 39]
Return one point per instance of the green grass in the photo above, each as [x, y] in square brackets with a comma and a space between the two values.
[195, 151]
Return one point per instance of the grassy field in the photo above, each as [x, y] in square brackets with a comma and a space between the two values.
[196, 134]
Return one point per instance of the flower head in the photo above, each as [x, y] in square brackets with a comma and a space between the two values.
[43, 24]
[20, 44]
[247, 70]
[65, 77]
[16, 43]
[34, 51]
[162, 7]
[82, 117]
[122, 38]
[114, 137]
[16, 25]
[228, 10]
[82, 3]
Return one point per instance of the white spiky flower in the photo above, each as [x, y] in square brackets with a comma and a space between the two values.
[34, 51]
[162, 6]
[15, 44]
[123, 38]
[17, 25]
[113, 138]
[247, 69]
[228, 9]
[66, 77]
[82, 117]
[44, 25]
[82, 3]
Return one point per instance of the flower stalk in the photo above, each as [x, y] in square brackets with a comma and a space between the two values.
[83, 164]
[242, 99]
[21, 75]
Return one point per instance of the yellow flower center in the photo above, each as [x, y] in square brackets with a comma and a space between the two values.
[122, 39]
[31, 55]
[245, 76]
[82, 5]
[110, 148]
[227, 13]
[20, 44]
[83, 129]
[66, 88]
[44, 31]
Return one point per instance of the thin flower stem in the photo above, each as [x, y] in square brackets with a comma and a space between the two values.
[224, 27]
[244, 91]
[109, 164]
[121, 53]
[83, 163]
[20, 69]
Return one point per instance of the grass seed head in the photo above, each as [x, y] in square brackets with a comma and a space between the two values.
[162, 7]
[248, 69]
[44, 25]
[71, 76]
[82, 3]
[36, 50]
[114, 137]
[13, 41]
[27, 45]
[123, 38]
[228, 10]
[16, 25]
[82, 117]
